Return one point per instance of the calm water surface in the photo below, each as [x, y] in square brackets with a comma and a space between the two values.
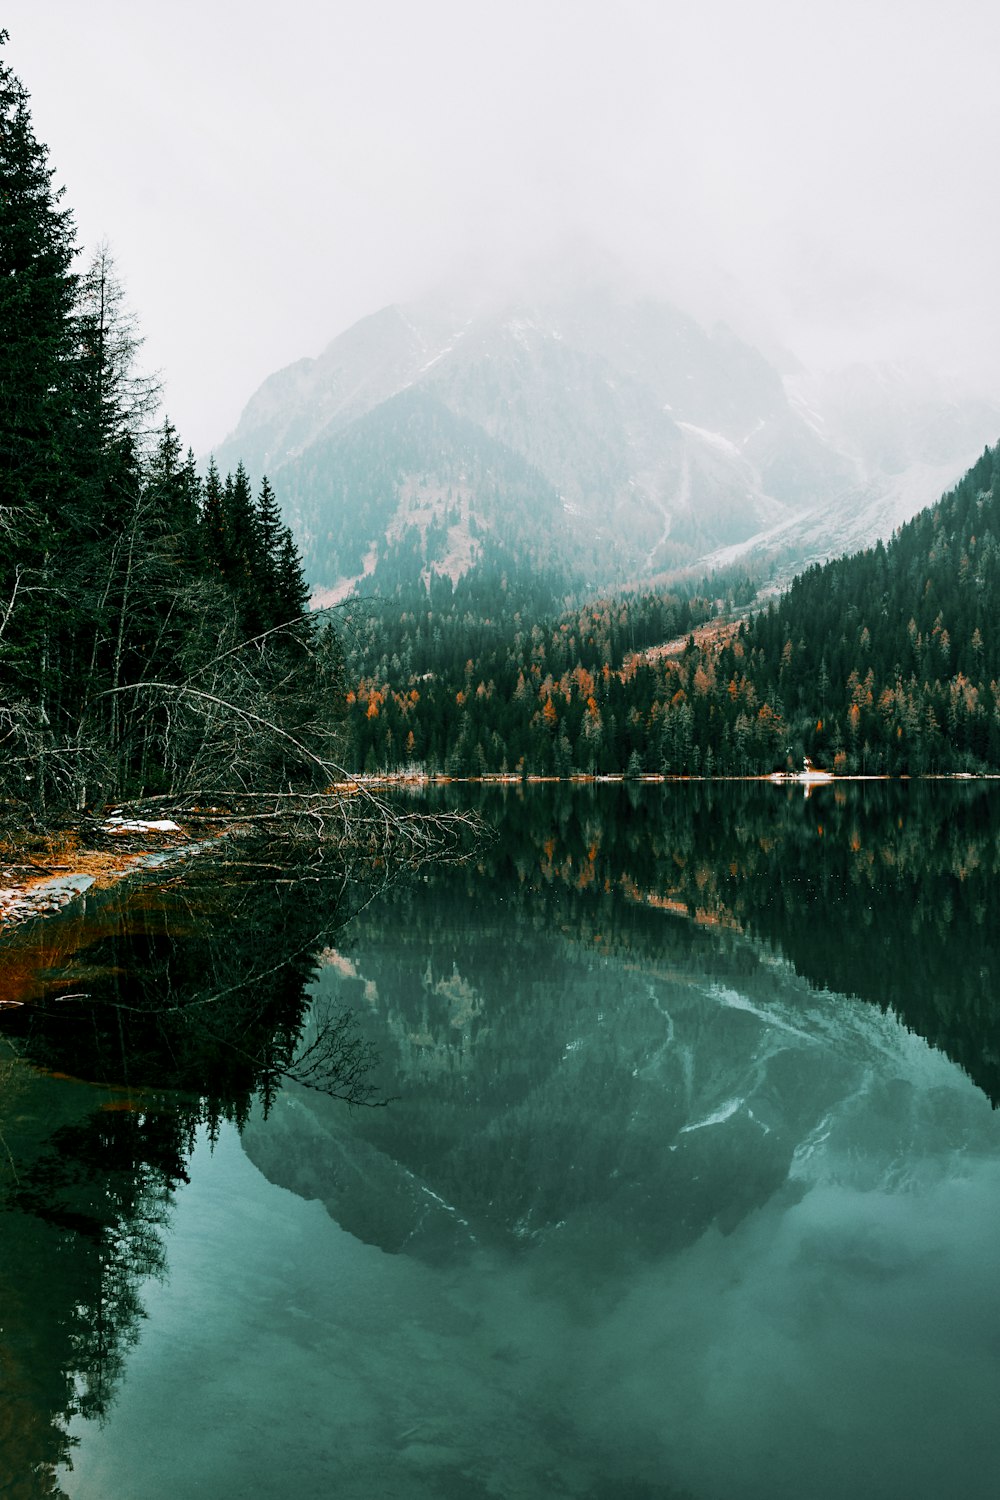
[689, 1185]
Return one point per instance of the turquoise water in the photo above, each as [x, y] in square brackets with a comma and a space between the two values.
[674, 1196]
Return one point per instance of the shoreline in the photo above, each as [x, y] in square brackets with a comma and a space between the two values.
[647, 778]
[70, 871]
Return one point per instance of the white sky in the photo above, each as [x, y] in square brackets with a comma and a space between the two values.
[266, 174]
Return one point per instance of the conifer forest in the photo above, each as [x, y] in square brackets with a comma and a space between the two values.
[887, 662]
[154, 632]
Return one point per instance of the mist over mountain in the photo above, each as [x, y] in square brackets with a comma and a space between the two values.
[592, 430]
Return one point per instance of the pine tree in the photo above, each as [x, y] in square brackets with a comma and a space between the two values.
[240, 529]
[293, 591]
[37, 294]
[213, 520]
[270, 540]
[173, 487]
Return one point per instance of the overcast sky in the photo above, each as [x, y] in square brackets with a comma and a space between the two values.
[266, 174]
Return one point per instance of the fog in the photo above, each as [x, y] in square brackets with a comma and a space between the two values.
[822, 179]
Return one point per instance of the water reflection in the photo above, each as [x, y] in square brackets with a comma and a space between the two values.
[128, 1025]
[884, 890]
[620, 1030]
[662, 1163]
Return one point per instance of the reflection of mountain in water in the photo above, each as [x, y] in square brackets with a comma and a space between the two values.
[884, 890]
[580, 1063]
[629, 1023]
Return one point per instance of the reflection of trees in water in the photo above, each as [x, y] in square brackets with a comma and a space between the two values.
[547, 1019]
[197, 988]
[184, 1005]
[883, 890]
[81, 1231]
[196, 1003]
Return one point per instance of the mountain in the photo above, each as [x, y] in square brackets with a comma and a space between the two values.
[607, 435]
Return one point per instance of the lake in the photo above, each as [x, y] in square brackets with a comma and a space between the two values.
[672, 1171]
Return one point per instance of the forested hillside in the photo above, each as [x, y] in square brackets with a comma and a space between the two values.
[890, 660]
[153, 627]
[491, 675]
[462, 490]
[887, 661]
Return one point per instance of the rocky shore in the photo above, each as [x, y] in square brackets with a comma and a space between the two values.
[41, 877]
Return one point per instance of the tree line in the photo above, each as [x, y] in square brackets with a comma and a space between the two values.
[154, 635]
[490, 674]
[887, 662]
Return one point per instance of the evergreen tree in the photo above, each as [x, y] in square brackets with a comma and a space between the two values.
[239, 529]
[37, 298]
[132, 597]
[37, 294]
[213, 520]
[270, 540]
[292, 589]
[174, 490]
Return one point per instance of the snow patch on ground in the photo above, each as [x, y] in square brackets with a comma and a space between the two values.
[461, 553]
[519, 328]
[338, 592]
[851, 521]
[441, 354]
[714, 439]
[116, 823]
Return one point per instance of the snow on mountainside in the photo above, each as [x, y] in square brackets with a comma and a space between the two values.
[910, 439]
[609, 437]
[863, 515]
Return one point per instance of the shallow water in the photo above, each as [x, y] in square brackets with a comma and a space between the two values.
[689, 1185]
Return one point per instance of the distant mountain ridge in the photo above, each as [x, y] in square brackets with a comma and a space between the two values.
[608, 436]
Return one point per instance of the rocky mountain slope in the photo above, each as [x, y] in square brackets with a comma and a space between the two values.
[607, 436]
